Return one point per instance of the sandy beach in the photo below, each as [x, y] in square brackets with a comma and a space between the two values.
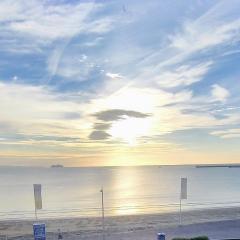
[215, 223]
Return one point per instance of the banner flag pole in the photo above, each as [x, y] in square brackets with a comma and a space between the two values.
[36, 214]
[103, 215]
[180, 212]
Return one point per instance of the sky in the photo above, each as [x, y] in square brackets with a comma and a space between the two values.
[106, 83]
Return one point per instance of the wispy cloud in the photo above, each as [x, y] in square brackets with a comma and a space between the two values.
[228, 133]
[220, 93]
[114, 75]
[210, 29]
[28, 108]
[49, 21]
[36, 24]
[183, 76]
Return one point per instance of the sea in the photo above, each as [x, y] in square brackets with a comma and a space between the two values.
[76, 192]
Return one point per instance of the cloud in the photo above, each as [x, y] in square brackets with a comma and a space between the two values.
[94, 42]
[211, 29]
[37, 24]
[44, 20]
[7, 127]
[31, 102]
[35, 110]
[114, 75]
[198, 39]
[190, 110]
[102, 126]
[204, 37]
[99, 135]
[24, 138]
[115, 119]
[71, 115]
[219, 93]
[118, 114]
[227, 133]
[183, 76]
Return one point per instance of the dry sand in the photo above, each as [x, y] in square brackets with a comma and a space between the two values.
[216, 223]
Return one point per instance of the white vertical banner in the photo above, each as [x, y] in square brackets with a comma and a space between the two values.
[37, 196]
[183, 195]
[183, 188]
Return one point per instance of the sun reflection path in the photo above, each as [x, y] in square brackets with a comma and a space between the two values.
[127, 186]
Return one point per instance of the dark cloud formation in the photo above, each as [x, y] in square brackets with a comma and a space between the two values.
[99, 135]
[102, 126]
[118, 114]
[107, 117]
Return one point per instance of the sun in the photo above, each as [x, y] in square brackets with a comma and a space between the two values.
[130, 129]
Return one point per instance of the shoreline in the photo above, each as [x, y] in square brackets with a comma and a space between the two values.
[118, 225]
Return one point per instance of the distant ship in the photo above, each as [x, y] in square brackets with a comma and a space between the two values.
[57, 166]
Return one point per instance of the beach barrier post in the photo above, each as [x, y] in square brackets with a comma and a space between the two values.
[161, 236]
[60, 236]
[103, 215]
[183, 195]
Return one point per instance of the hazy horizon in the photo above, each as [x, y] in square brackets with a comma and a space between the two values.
[116, 83]
[112, 166]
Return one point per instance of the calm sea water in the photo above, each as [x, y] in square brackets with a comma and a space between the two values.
[127, 190]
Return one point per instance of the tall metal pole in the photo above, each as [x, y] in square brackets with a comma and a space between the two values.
[103, 217]
[180, 212]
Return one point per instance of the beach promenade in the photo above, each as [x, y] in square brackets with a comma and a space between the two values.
[215, 223]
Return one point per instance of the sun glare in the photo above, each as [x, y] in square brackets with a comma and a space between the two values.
[130, 129]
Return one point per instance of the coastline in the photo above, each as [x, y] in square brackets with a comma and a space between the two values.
[117, 226]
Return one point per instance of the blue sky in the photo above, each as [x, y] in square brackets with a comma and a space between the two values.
[119, 82]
